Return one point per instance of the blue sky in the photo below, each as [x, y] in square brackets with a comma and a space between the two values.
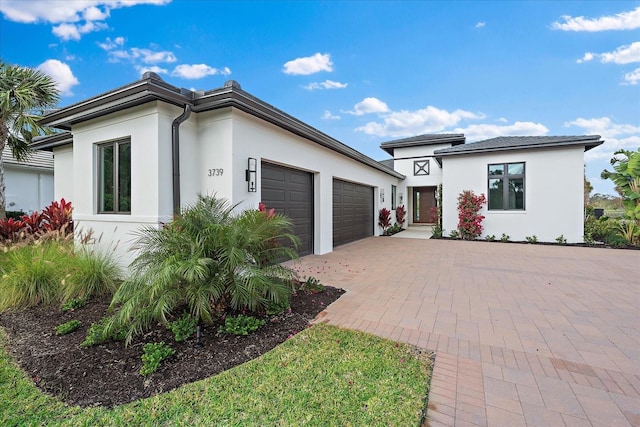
[362, 72]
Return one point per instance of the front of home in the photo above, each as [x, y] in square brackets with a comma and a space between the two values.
[136, 155]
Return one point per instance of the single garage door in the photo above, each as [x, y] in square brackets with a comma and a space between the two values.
[290, 192]
[352, 212]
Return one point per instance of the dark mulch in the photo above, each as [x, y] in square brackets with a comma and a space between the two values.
[108, 374]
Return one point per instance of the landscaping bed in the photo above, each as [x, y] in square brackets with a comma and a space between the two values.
[108, 374]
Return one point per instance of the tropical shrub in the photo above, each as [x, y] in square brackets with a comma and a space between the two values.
[49, 271]
[384, 219]
[626, 177]
[504, 238]
[92, 273]
[532, 239]
[56, 217]
[72, 305]
[437, 228]
[154, 354]
[240, 325]
[209, 260]
[32, 275]
[469, 220]
[401, 214]
[68, 327]
[98, 333]
[561, 239]
[490, 238]
[312, 286]
[183, 328]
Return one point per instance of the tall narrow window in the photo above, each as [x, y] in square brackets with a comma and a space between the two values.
[506, 186]
[393, 196]
[114, 177]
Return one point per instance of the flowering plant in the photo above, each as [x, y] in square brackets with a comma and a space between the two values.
[469, 220]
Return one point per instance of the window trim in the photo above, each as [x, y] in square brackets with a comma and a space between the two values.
[115, 143]
[421, 167]
[505, 177]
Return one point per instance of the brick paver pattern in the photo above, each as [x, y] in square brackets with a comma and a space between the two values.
[525, 335]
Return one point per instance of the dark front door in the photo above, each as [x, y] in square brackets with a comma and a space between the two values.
[352, 212]
[290, 192]
[424, 202]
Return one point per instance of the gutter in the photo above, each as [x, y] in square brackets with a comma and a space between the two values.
[175, 155]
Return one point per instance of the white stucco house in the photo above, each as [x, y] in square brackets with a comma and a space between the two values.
[28, 184]
[137, 154]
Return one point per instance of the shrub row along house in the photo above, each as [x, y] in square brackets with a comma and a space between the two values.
[137, 154]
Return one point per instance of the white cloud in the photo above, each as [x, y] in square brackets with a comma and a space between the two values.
[621, 21]
[135, 54]
[502, 120]
[198, 71]
[480, 24]
[154, 69]
[408, 123]
[309, 65]
[367, 106]
[633, 77]
[61, 73]
[616, 136]
[625, 54]
[328, 116]
[74, 18]
[327, 84]
[478, 132]
[112, 44]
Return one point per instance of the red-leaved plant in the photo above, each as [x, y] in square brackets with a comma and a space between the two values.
[469, 220]
[401, 214]
[384, 219]
[55, 217]
[269, 212]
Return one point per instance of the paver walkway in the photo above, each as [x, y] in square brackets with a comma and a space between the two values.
[525, 335]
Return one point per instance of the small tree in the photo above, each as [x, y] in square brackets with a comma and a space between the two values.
[24, 94]
[401, 214]
[469, 220]
[384, 219]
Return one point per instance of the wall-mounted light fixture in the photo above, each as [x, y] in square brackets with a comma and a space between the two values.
[401, 199]
[382, 195]
[251, 175]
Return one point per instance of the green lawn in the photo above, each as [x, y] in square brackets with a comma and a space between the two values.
[324, 376]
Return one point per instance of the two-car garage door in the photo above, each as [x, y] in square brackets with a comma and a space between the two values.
[290, 191]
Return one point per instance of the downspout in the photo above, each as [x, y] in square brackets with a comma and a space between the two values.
[175, 154]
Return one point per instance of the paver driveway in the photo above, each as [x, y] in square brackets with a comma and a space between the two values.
[524, 334]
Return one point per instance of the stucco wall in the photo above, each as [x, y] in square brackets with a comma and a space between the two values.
[214, 148]
[553, 193]
[403, 163]
[27, 189]
[263, 141]
[63, 173]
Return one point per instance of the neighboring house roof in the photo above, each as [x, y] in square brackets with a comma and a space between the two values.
[506, 143]
[37, 159]
[152, 88]
[388, 163]
[50, 141]
[426, 139]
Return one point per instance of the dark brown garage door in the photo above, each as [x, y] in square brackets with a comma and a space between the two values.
[352, 212]
[290, 192]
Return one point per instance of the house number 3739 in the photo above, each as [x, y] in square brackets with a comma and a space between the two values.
[215, 172]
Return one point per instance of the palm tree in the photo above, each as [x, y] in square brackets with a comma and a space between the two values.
[24, 94]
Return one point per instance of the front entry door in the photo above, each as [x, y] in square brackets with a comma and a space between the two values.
[424, 199]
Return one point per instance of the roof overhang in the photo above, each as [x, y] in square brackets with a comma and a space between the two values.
[422, 140]
[153, 88]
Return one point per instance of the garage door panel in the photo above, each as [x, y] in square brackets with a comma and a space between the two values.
[290, 192]
[352, 212]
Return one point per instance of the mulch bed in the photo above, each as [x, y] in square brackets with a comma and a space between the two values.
[108, 374]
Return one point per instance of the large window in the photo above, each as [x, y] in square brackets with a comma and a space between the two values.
[506, 186]
[114, 177]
